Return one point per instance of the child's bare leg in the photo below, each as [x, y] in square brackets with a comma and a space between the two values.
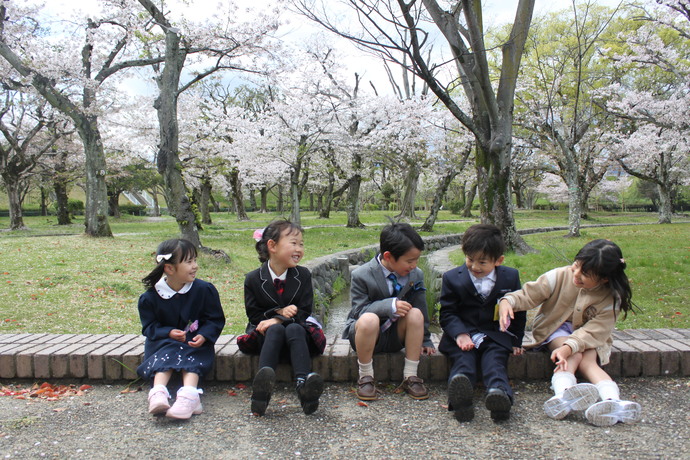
[366, 334]
[190, 379]
[411, 333]
[573, 360]
[162, 378]
[590, 369]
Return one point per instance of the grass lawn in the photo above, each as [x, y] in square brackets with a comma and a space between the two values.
[57, 280]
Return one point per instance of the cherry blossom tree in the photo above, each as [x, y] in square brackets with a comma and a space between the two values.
[561, 69]
[400, 33]
[29, 130]
[652, 101]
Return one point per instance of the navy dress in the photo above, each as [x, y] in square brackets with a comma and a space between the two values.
[160, 315]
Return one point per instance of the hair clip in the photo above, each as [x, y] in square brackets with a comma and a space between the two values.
[622, 260]
[161, 257]
[258, 233]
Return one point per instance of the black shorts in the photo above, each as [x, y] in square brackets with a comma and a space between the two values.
[388, 341]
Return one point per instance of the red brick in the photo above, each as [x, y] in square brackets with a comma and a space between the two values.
[113, 362]
[538, 365]
[224, 367]
[683, 347]
[25, 360]
[59, 360]
[343, 363]
[651, 359]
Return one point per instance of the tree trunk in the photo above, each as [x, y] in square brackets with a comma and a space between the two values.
[169, 165]
[407, 206]
[665, 204]
[441, 190]
[295, 215]
[352, 205]
[44, 201]
[574, 203]
[263, 192]
[252, 199]
[327, 198]
[204, 200]
[236, 191]
[60, 187]
[15, 203]
[493, 186]
[469, 201]
[114, 204]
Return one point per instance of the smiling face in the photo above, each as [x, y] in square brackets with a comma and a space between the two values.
[182, 273]
[480, 265]
[585, 281]
[404, 264]
[287, 251]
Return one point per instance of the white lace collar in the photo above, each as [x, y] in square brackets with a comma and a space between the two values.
[166, 292]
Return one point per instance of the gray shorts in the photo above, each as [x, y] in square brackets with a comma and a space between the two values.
[388, 341]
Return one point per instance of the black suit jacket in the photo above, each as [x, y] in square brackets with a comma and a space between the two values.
[261, 299]
[464, 312]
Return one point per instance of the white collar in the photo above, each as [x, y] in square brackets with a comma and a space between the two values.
[273, 274]
[166, 292]
[490, 277]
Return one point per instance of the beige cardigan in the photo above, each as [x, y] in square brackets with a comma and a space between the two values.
[591, 311]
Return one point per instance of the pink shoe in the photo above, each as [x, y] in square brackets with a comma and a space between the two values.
[186, 404]
[158, 401]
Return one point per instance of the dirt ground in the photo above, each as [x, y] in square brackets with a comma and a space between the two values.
[104, 423]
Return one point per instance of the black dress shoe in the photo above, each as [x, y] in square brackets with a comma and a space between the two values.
[309, 390]
[499, 403]
[262, 389]
[460, 393]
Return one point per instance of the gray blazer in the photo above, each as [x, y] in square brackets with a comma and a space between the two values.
[369, 292]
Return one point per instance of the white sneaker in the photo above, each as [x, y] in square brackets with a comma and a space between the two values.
[186, 404]
[577, 397]
[610, 412]
[158, 401]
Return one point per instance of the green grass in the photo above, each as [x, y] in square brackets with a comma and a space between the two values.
[658, 263]
[56, 280]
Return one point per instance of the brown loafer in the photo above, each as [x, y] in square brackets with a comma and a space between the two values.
[366, 390]
[414, 386]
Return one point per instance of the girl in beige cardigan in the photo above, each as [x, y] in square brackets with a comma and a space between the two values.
[578, 308]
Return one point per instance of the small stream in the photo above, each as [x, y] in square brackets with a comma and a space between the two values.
[337, 314]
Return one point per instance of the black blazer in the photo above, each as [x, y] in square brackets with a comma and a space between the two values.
[261, 299]
[464, 312]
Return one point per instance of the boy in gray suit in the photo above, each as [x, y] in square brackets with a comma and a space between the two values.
[389, 310]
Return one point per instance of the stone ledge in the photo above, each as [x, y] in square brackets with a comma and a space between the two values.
[639, 352]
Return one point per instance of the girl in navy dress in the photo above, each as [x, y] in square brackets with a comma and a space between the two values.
[278, 298]
[182, 318]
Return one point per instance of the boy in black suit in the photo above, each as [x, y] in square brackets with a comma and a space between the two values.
[471, 335]
[389, 310]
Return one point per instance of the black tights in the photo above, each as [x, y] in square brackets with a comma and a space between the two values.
[295, 337]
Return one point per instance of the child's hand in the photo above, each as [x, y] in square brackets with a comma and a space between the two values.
[464, 342]
[505, 314]
[178, 334]
[560, 356]
[265, 324]
[427, 351]
[402, 307]
[288, 312]
[517, 351]
[197, 341]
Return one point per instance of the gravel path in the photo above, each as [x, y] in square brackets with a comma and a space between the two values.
[104, 423]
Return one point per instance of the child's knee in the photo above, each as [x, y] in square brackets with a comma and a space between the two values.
[367, 322]
[415, 317]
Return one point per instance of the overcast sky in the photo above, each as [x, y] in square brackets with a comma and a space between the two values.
[369, 67]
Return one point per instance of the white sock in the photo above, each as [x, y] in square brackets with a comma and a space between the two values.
[608, 389]
[160, 387]
[191, 390]
[561, 381]
[366, 369]
[410, 368]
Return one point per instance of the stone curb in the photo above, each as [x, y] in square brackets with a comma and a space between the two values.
[636, 353]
